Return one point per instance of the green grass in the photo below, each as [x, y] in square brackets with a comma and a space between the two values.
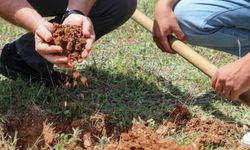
[128, 78]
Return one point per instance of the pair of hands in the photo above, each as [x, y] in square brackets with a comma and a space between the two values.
[230, 80]
[43, 35]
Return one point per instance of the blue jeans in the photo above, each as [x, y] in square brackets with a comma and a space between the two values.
[217, 24]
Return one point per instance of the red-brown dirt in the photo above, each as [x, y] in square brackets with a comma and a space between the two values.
[71, 39]
[35, 128]
[73, 43]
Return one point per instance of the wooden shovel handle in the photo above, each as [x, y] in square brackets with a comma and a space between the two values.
[186, 52]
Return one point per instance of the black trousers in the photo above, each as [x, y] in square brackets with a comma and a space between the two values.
[106, 16]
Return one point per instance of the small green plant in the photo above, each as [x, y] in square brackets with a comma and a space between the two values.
[67, 141]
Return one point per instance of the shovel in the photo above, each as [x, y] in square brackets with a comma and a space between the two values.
[187, 53]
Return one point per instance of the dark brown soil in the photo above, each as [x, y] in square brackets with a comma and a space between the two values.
[34, 128]
[180, 115]
[71, 39]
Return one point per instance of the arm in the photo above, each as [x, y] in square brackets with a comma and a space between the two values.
[233, 79]
[21, 13]
[165, 23]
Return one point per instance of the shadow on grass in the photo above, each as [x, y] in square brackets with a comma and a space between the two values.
[207, 103]
[121, 97]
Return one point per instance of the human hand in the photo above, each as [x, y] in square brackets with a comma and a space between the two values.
[43, 35]
[165, 23]
[87, 29]
[233, 79]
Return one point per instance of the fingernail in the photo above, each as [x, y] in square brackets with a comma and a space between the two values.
[48, 38]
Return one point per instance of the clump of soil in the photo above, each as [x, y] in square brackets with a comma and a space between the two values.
[71, 39]
[180, 115]
[78, 79]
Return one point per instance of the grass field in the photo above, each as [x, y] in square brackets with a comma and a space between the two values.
[129, 78]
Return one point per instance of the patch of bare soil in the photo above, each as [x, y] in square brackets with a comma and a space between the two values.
[141, 137]
[215, 133]
[37, 129]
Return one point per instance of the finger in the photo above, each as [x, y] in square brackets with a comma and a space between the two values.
[64, 66]
[234, 95]
[56, 59]
[46, 49]
[87, 27]
[226, 91]
[164, 42]
[214, 80]
[51, 27]
[44, 33]
[85, 54]
[89, 44]
[178, 32]
[70, 45]
[219, 87]
[80, 60]
[159, 45]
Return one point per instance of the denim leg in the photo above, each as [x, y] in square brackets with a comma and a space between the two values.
[218, 24]
[106, 16]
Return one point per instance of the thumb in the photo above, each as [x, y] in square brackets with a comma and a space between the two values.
[178, 32]
[44, 33]
[87, 28]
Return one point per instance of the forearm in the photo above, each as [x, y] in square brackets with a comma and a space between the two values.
[21, 13]
[168, 3]
[246, 60]
[82, 5]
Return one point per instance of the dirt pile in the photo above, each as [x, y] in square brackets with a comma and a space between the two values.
[71, 39]
[141, 137]
[215, 133]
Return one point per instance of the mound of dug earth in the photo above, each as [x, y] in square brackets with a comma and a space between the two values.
[40, 130]
[215, 133]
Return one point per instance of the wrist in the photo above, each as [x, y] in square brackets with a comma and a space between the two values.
[70, 12]
[82, 5]
[41, 22]
[34, 22]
